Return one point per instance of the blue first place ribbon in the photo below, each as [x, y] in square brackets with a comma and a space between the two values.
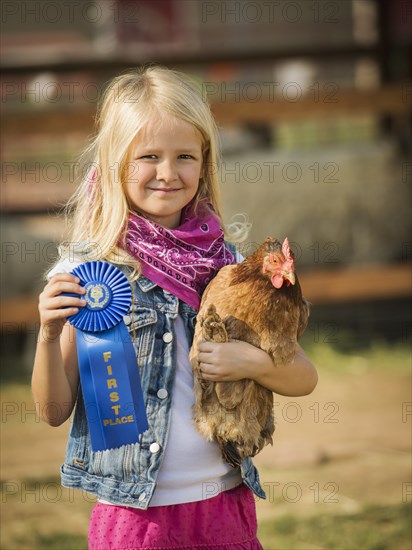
[109, 373]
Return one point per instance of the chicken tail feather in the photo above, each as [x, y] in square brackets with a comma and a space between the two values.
[230, 452]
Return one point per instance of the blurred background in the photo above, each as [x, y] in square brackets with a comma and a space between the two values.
[314, 104]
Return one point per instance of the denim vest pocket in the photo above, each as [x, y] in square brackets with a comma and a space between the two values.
[142, 329]
[118, 464]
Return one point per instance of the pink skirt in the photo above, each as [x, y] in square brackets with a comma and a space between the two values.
[225, 522]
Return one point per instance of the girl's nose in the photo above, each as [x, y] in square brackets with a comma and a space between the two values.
[166, 171]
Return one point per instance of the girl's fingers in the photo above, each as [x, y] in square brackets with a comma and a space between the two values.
[68, 287]
[62, 286]
[209, 352]
[54, 288]
[206, 347]
[59, 314]
[55, 308]
[203, 357]
[64, 277]
[59, 302]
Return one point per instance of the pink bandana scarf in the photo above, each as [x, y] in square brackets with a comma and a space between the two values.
[181, 260]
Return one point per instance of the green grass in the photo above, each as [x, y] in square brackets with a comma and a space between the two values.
[374, 528]
[381, 355]
[59, 540]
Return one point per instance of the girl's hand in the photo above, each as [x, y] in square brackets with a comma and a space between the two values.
[234, 360]
[230, 361]
[54, 309]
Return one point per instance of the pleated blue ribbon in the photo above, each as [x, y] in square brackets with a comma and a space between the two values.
[108, 368]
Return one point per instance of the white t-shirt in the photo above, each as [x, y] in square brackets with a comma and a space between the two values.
[192, 468]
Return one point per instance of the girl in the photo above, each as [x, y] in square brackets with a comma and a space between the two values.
[153, 196]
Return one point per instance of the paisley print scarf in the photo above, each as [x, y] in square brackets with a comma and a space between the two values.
[181, 260]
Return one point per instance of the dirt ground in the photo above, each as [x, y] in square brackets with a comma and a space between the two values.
[337, 450]
[350, 447]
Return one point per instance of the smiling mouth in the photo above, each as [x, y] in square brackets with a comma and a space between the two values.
[164, 190]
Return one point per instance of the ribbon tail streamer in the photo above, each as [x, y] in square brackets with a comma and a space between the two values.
[111, 388]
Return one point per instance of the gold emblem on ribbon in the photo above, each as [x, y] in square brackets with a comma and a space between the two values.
[97, 295]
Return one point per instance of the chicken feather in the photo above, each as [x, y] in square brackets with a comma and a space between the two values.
[258, 301]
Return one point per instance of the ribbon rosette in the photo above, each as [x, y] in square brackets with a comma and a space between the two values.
[109, 373]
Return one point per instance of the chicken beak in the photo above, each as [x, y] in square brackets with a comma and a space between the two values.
[289, 276]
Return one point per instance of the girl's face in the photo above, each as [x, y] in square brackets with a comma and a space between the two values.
[164, 171]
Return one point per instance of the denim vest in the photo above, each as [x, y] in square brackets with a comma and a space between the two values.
[127, 475]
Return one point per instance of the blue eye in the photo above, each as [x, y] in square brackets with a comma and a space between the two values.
[183, 156]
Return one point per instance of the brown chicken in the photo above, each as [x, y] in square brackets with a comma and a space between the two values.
[260, 302]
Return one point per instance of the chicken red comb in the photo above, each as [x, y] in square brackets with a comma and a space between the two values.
[286, 250]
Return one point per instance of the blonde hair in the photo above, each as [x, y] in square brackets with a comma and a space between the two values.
[98, 212]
